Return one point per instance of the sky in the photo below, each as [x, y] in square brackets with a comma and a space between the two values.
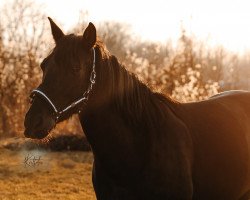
[221, 22]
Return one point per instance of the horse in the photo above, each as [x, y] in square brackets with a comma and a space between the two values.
[146, 146]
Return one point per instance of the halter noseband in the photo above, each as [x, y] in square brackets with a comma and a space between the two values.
[82, 99]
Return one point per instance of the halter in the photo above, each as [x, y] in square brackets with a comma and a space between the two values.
[83, 99]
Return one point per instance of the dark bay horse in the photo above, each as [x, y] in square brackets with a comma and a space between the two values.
[146, 146]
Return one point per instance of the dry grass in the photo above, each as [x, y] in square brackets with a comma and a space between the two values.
[59, 175]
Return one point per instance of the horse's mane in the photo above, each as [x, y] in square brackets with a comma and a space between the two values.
[132, 97]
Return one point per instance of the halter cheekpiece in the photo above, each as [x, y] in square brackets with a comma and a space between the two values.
[83, 99]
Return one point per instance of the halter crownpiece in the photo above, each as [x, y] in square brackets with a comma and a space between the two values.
[82, 99]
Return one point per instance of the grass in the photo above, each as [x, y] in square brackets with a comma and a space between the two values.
[58, 175]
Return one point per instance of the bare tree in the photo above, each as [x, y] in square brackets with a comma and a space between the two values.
[22, 46]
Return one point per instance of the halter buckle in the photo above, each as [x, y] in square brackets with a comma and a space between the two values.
[92, 77]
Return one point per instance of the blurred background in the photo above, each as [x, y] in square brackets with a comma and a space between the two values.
[189, 50]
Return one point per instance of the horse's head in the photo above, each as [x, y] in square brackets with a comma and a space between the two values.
[68, 77]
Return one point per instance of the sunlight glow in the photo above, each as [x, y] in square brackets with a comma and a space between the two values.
[225, 22]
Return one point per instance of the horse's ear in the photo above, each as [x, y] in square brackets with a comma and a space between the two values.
[89, 36]
[56, 31]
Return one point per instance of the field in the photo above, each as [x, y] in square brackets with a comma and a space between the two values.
[39, 175]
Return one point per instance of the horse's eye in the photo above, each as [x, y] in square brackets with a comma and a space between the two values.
[76, 68]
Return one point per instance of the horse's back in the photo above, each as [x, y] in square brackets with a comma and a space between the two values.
[229, 93]
[220, 129]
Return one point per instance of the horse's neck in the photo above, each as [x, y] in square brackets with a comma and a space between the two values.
[131, 129]
[114, 125]
[119, 91]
